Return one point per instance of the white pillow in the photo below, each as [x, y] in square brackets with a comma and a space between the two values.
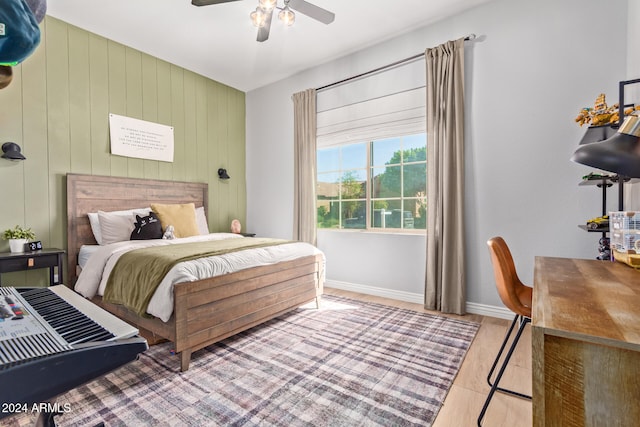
[201, 221]
[94, 220]
[115, 228]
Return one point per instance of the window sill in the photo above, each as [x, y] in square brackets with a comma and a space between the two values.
[378, 232]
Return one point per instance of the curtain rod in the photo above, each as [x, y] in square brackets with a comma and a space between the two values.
[393, 64]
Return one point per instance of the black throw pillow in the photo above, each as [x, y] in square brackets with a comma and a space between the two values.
[147, 228]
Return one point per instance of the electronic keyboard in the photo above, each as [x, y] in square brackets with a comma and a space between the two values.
[53, 340]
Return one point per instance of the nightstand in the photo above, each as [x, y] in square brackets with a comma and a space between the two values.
[21, 261]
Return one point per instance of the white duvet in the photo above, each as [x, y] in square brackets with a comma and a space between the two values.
[94, 275]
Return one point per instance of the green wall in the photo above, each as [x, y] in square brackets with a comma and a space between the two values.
[57, 110]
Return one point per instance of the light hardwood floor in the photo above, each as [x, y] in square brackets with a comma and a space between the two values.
[470, 389]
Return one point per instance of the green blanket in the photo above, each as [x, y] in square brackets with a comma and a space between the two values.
[137, 274]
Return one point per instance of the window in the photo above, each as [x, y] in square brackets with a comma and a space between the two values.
[380, 184]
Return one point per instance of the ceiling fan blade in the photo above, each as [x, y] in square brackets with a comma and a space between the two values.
[208, 2]
[263, 32]
[312, 11]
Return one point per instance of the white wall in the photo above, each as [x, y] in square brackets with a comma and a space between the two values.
[533, 67]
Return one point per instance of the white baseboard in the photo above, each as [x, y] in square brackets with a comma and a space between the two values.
[379, 292]
[472, 307]
[489, 310]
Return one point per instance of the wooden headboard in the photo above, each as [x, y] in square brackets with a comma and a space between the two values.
[92, 193]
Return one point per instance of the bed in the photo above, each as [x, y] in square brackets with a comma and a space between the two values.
[206, 310]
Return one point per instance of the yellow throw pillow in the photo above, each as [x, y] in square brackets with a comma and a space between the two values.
[182, 217]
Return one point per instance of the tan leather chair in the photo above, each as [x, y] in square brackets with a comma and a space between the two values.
[517, 297]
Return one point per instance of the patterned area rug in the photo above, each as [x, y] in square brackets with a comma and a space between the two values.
[350, 363]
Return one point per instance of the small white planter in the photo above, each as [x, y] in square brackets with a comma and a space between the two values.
[17, 245]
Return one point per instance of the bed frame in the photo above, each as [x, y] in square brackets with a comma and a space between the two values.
[205, 311]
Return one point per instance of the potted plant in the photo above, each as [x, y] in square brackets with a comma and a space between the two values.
[17, 237]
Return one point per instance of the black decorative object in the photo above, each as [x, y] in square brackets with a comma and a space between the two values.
[598, 133]
[33, 246]
[147, 228]
[222, 173]
[11, 151]
[619, 154]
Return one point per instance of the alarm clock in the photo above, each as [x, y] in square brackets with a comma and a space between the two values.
[33, 246]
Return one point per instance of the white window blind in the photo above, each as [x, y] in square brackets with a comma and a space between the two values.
[393, 115]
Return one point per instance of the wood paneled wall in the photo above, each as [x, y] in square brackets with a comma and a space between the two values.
[57, 110]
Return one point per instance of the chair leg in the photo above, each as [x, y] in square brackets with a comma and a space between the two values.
[517, 318]
[494, 386]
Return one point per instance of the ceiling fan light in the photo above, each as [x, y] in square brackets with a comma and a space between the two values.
[268, 5]
[287, 16]
[258, 17]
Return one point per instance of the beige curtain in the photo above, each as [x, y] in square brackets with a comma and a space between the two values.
[445, 287]
[304, 209]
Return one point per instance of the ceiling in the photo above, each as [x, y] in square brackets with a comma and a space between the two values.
[219, 41]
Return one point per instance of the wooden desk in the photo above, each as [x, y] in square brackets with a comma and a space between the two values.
[586, 343]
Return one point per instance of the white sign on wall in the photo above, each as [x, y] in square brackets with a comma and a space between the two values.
[140, 139]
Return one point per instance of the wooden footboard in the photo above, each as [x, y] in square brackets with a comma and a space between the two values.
[210, 310]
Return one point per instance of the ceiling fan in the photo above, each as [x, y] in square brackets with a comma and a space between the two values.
[261, 17]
